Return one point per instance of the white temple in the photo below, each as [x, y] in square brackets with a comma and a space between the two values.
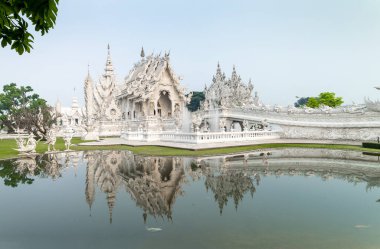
[72, 116]
[150, 105]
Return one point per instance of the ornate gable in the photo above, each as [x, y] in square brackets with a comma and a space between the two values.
[146, 76]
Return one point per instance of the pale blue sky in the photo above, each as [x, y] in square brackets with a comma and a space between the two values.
[288, 47]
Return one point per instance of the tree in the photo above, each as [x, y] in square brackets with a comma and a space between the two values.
[301, 101]
[20, 108]
[329, 99]
[14, 17]
[312, 102]
[195, 101]
[325, 98]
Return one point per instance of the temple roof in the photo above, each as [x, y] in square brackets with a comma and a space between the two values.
[232, 92]
[145, 76]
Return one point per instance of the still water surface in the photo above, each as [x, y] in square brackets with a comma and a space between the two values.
[294, 198]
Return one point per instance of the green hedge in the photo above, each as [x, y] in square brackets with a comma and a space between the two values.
[371, 145]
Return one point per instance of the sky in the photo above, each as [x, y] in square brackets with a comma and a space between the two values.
[288, 48]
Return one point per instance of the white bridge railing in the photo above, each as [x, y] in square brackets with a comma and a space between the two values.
[199, 137]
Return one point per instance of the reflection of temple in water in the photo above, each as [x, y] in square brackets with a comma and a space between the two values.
[225, 183]
[153, 183]
[229, 184]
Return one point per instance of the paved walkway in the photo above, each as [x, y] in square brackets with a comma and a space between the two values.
[120, 141]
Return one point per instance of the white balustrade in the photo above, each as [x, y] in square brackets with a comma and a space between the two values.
[199, 137]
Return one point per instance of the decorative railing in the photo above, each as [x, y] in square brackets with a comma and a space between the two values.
[200, 137]
[301, 119]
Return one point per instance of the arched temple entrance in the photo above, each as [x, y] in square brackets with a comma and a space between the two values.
[164, 105]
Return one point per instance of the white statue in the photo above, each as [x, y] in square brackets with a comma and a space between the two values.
[222, 125]
[197, 121]
[68, 135]
[28, 146]
[51, 137]
[245, 125]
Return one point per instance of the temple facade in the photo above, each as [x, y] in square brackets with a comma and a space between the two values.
[152, 96]
[73, 117]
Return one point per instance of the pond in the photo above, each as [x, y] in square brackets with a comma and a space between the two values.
[288, 198]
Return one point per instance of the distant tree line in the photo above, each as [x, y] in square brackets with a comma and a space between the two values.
[324, 98]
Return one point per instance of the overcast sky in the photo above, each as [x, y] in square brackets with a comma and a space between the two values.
[288, 47]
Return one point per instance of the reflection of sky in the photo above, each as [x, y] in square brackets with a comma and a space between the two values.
[285, 212]
[289, 48]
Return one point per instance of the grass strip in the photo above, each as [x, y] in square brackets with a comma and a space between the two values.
[7, 148]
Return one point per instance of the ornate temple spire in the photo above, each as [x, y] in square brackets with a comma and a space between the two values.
[88, 78]
[250, 85]
[89, 95]
[219, 76]
[218, 70]
[145, 216]
[90, 185]
[234, 70]
[142, 54]
[234, 77]
[74, 103]
[109, 66]
[111, 197]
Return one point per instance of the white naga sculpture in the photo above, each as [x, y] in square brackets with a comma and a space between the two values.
[26, 146]
[51, 137]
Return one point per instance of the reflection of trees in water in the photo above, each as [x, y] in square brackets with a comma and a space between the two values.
[23, 170]
[12, 175]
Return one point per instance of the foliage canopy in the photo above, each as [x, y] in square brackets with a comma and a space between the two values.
[195, 101]
[14, 18]
[301, 102]
[325, 98]
[20, 108]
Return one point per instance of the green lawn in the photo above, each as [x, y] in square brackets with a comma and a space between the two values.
[7, 148]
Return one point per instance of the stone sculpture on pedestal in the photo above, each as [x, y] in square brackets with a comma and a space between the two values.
[51, 137]
[26, 146]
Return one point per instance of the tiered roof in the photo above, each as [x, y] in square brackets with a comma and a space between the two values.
[147, 74]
